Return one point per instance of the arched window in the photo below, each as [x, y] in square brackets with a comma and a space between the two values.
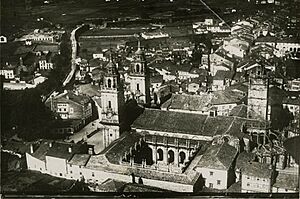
[137, 68]
[109, 104]
[160, 155]
[170, 156]
[181, 157]
[109, 83]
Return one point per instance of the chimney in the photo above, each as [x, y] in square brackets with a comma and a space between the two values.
[70, 149]
[31, 148]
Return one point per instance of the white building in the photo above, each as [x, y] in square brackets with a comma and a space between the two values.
[257, 177]
[216, 166]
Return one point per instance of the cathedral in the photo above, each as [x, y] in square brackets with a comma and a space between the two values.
[163, 147]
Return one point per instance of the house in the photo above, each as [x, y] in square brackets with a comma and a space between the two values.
[257, 177]
[242, 161]
[293, 85]
[40, 49]
[224, 79]
[46, 61]
[215, 67]
[220, 57]
[71, 105]
[218, 102]
[8, 71]
[286, 183]
[54, 157]
[284, 45]
[217, 166]
[236, 46]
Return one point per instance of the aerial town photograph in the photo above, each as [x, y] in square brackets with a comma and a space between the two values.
[150, 98]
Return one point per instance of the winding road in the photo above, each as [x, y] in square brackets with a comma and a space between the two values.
[74, 55]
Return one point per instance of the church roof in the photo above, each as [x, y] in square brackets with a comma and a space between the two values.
[204, 125]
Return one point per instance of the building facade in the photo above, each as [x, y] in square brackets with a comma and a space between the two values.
[139, 78]
[112, 99]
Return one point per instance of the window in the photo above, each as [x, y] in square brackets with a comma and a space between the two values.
[211, 185]
[138, 87]
[248, 184]
[93, 174]
[109, 83]
[80, 173]
[71, 172]
[110, 135]
[257, 178]
[218, 182]
[211, 173]
[109, 104]
[60, 174]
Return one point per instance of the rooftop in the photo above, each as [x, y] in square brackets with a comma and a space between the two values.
[243, 159]
[179, 122]
[218, 157]
[117, 149]
[257, 169]
[287, 181]
[70, 95]
[54, 48]
[89, 90]
[58, 149]
[202, 102]
[80, 159]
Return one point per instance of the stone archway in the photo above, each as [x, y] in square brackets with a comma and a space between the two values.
[147, 153]
[182, 157]
[171, 156]
[160, 155]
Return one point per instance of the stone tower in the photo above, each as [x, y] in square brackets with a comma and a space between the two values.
[112, 99]
[258, 94]
[139, 77]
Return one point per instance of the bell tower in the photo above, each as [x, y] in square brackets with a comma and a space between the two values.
[258, 93]
[112, 99]
[139, 77]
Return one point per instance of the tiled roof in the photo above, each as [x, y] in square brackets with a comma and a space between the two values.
[18, 147]
[58, 149]
[70, 95]
[222, 74]
[239, 111]
[54, 48]
[257, 169]
[179, 122]
[287, 181]
[89, 90]
[61, 150]
[243, 159]
[170, 121]
[218, 157]
[117, 149]
[202, 102]
[80, 159]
